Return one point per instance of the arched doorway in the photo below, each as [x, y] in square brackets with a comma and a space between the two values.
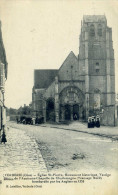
[67, 112]
[71, 100]
[50, 113]
[76, 112]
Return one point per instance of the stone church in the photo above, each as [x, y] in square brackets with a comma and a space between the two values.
[84, 85]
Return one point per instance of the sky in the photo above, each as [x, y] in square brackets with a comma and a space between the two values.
[39, 34]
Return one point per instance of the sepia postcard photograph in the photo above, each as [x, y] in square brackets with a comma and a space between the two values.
[59, 97]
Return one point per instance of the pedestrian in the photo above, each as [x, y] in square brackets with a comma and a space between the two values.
[75, 116]
[33, 121]
[97, 121]
[93, 122]
[4, 138]
[89, 122]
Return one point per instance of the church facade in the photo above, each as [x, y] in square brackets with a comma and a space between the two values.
[83, 86]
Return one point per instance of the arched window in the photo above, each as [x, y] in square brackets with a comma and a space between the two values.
[100, 30]
[92, 30]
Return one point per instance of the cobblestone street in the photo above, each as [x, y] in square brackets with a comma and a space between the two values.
[57, 149]
[62, 149]
[20, 153]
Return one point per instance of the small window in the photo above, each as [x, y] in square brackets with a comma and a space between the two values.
[100, 30]
[97, 67]
[97, 70]
[92, 30]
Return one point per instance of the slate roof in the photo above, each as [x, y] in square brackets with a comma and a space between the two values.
[44, 77]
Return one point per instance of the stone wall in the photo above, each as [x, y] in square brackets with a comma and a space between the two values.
[37, 101]
[50, 91]
[108, 116]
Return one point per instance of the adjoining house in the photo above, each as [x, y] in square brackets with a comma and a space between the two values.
[116, 110]
[83, 86]
[3, 77]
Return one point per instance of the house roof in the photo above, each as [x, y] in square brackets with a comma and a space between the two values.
[44, 77]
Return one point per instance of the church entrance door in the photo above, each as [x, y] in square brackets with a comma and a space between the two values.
[50, 113]
[67, 112]
[76, 112]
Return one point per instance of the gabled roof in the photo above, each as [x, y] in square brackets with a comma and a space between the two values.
[70, 58]
[44, 77]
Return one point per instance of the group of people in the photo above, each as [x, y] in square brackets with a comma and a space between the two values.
[94, 121]
[29, 120]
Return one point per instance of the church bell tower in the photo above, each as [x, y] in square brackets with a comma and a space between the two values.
[96, 56]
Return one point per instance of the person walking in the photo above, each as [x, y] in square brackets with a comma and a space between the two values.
[97, 121]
